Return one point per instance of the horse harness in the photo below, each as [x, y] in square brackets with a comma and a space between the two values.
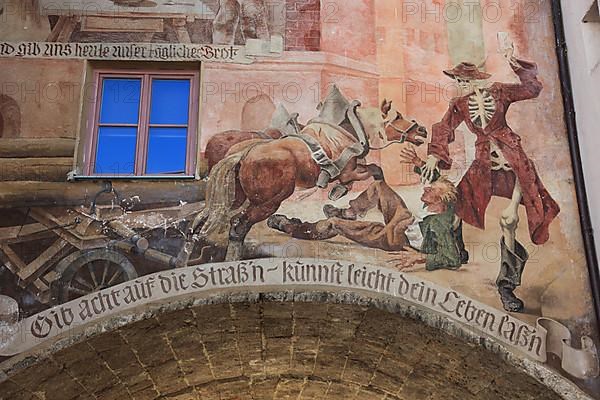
[331, 169]
[403, 134]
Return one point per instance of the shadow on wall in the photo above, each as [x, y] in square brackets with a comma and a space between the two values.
[10, 117]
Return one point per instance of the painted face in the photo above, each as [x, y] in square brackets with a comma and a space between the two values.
[431, 194]
[465, 85]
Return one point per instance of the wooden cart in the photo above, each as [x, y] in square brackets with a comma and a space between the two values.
[84, 250]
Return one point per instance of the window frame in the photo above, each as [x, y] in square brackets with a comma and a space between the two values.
[143, 124]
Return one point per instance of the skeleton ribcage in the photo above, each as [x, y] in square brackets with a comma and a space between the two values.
[481, 111]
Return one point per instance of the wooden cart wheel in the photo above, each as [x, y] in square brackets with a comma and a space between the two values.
[88, 271]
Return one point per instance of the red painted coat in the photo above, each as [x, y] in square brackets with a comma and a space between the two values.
[480, 183]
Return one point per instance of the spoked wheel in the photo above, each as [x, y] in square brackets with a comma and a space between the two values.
[88, 271]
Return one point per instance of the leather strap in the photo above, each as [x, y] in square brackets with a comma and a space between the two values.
[332, 169]
[321, 158]
[358, 126]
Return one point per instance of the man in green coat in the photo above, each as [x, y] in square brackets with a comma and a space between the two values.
[430, 237]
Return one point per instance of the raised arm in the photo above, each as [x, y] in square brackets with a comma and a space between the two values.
[529, 87]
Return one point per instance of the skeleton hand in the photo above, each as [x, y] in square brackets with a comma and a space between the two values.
[409, 155]
[509, 51]
[428, 170]
[509, 55]
[407, 259]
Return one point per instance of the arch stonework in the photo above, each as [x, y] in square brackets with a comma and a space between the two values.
[302, 344]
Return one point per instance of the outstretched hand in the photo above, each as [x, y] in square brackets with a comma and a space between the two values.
[428, 169]
[409, 155]
[509, 55]
[406, 259]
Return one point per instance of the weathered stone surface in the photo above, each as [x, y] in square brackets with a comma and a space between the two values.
[273, 350]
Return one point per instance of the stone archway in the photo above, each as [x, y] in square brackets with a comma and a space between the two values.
[10, 117]
[273, 346]
[257, 112]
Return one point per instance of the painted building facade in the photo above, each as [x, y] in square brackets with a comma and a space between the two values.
[166, 162]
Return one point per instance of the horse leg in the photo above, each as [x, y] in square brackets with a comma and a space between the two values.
[354, 172]
[376, 172]
[514, 255]
[186, 250]
[264, 197]
[243, 222]
[239, 228]
[361, 172]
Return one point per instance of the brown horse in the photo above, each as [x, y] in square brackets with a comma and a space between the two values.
[248, 186]
[282, 124]
[221, 143]
[218, 146]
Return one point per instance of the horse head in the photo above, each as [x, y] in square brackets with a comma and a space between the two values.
[401, 130]
[385, 126]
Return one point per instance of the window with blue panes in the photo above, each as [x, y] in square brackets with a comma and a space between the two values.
[144, 125]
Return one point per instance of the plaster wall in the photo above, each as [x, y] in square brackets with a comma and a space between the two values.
[48, 94]
[298, 80]
[347, 28]
[583, 42]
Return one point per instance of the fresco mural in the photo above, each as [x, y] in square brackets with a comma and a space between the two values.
[255, 23]
[375, 148]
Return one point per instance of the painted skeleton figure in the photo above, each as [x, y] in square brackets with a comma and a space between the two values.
[482, 108]
[501, 167]
[251, 15]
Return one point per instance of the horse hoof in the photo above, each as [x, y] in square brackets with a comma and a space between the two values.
[378, 175]
[338, 192]
[332, 211]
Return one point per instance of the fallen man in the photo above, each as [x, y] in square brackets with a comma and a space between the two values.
[430, 238]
